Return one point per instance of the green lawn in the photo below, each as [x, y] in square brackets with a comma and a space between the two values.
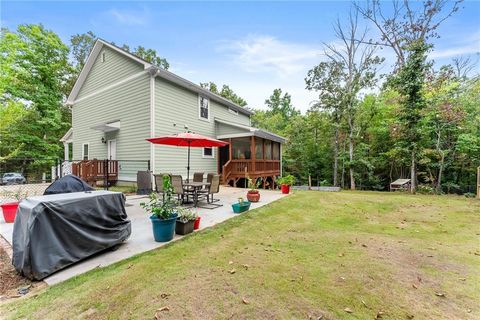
[307, 255]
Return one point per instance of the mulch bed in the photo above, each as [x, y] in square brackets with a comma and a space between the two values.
[10, 280]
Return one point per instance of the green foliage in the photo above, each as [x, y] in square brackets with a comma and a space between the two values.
[185, 215]
[164, 208]
[32, 89]
[226, 93]
[287, 180]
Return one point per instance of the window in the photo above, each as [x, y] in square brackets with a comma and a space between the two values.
[235, 112]
[103, 56]
[241, 148]
[208, 153]
[85, 151]
[259, 148]
[204, 108]
[276, 151]
[268, 150]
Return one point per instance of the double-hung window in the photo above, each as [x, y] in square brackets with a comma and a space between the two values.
[203, 108]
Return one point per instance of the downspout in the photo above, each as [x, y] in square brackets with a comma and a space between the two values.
[153, 74]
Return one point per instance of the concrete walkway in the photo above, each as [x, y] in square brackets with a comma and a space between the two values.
[141, 239]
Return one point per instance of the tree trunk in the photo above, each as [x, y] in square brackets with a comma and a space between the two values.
[440, 172]
[350, 153]
[343, 166]
[413, 174]
[335, 159]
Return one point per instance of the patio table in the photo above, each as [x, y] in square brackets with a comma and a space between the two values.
[195, 187]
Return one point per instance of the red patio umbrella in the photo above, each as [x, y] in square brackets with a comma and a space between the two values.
[188, 139]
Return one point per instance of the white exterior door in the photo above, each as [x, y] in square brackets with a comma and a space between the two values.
[112, 149]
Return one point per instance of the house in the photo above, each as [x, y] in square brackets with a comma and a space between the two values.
[119, 100]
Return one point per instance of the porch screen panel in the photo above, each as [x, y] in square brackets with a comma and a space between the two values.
[268, 149]
[258, 148]
[276, 151]
[241, 148]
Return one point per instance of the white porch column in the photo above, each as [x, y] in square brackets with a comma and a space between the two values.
[66, 151]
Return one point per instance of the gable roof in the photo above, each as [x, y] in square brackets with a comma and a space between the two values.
[154, 70]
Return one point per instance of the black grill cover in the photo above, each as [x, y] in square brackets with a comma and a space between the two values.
[67, 184]
[52, 232]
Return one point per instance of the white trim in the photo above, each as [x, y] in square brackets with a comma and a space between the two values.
[104, 56]
[208, 157]
[109, 149]
[92, 57]
[235, 135]
[83, 151]
[110, 86]
[200, 107]
[67, 137]
[281, 167]
[152, 122]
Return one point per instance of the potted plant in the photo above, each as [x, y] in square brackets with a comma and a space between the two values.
[9, 209]
[253, 195]
[185, 221]
[163, 212]
[286, 182]
[241, 206]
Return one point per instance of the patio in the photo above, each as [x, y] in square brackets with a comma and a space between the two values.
[141, 239]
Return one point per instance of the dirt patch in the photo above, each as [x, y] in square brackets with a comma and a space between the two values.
[424, 277]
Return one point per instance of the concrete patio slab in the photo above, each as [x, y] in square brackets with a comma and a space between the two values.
[141, 239]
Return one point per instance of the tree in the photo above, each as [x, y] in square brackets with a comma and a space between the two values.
[81, 45]
[278, 114]
[405, 26]
[226, 93]
[33, 88]
[325, 79]
[356, 63]
[409, 82]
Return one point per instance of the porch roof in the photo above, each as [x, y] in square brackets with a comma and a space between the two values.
[247, 131]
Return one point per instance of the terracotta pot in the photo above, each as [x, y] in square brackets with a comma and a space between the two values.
[285, 188]
[253, 196]
[9, 211]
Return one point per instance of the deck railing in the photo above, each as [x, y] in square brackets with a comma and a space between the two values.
[241, 168]
[94, 170]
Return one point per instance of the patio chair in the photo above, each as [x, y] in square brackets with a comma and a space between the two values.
[212, 189]
[179, 189]
[198, 177]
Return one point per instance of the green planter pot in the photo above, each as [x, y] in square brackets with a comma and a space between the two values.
[163, 229]
[184, 228]
[239, 208]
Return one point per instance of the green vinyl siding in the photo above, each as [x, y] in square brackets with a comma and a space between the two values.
[223, 129]
[176, 105]
[130, 104]
[115, 68]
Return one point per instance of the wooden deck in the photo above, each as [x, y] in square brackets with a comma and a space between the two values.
[95, 172]
[266, 170]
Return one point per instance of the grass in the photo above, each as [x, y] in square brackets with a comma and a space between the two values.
[307, 255]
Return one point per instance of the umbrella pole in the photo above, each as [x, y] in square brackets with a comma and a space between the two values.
[188, 163]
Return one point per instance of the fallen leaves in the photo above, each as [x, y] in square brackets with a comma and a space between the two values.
[348, 310]
[341, 254]
[440, 294]
[232, 271]
[379, 315]
[245, 301]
